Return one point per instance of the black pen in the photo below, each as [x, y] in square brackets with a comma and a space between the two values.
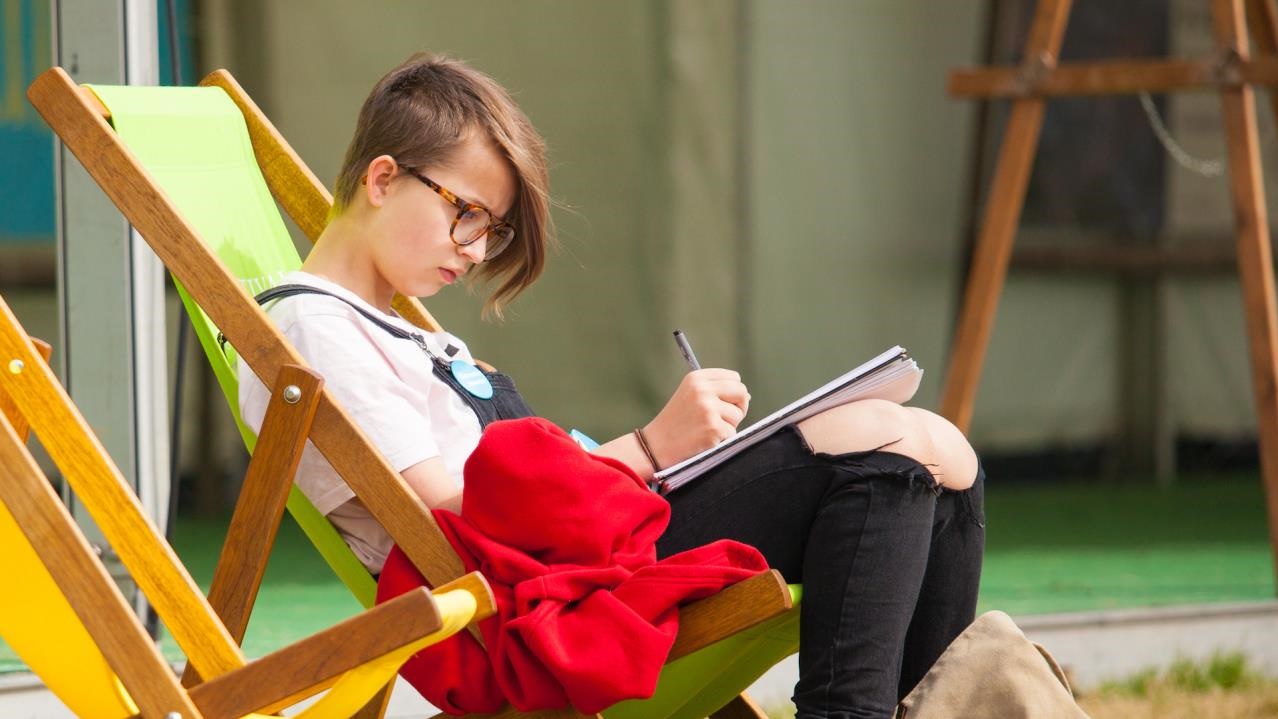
[686, 349]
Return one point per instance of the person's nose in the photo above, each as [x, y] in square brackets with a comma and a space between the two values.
[475, 251]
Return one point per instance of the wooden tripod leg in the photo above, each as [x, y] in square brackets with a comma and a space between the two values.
[1255, 257]
[1262, 18]
[998, 226]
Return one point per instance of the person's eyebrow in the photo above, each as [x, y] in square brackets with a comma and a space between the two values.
[486, 205]
[467, 196]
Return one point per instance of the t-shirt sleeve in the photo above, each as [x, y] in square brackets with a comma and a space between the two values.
[364, 383]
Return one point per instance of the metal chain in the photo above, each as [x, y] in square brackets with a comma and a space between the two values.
[1206, 168]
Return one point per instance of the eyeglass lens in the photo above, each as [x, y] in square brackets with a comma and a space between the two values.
[474, 223]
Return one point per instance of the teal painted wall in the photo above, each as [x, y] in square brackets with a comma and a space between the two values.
[26, 144]
[26, 150]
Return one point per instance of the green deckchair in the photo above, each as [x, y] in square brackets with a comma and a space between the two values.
[186, 166]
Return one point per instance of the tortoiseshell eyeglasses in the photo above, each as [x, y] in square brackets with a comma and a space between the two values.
[472, 222]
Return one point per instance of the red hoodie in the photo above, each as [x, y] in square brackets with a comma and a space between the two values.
[586, 615]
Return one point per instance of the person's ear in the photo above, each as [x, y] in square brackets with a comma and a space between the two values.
[381, 170]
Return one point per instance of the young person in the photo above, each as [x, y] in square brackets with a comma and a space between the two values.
[874, 507]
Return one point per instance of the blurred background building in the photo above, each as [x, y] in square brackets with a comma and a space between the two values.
[787, 182]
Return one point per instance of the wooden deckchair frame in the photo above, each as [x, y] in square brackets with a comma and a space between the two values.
[82, 124]
[32, 398]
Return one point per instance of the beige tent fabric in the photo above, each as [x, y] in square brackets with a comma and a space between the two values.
[992, 670]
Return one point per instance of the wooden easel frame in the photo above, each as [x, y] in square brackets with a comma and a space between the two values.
[1233, 73]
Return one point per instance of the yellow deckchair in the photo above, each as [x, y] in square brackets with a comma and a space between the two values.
[65, 617]
[214, 267]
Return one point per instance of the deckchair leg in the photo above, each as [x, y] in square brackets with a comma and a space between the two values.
[741, 707]
[258, 512]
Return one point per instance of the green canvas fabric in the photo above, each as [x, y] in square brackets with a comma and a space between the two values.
[194, 144]
[693, 686]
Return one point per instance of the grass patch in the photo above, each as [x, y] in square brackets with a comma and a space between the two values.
[1218, 509]
[1083, 546]
[1225, 685]
[1224, 670]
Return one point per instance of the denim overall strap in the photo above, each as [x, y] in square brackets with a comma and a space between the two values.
[506, 402]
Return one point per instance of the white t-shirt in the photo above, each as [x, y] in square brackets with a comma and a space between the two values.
[386, 385]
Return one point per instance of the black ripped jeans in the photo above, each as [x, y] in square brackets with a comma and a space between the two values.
[890, 566]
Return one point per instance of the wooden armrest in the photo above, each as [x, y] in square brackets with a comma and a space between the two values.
[474, 582]
[733, 610]
[292, 673]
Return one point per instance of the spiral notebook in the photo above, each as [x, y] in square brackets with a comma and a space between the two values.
[891, 376]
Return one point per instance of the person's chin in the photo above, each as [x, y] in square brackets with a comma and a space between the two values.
[428, 288]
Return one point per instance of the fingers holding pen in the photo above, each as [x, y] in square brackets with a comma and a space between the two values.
[720, 396]
[721, 393]
[724, 384]
[734, 392]
[705, 409]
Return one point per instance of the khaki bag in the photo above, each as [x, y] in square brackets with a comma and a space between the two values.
[992, 670]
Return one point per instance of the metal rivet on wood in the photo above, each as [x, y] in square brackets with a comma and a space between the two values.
[16, 366]
[292, 394]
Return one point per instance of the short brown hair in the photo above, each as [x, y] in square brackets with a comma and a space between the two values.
[420, 113]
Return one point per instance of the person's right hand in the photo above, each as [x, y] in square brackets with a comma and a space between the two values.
[705, 409]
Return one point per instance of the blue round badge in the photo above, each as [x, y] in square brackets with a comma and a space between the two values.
[471, 379]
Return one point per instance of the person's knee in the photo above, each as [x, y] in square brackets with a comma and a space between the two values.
[869, 424]
[916, 433]
[955, 459]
